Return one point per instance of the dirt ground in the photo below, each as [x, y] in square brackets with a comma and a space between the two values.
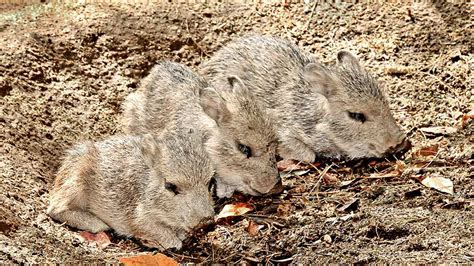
[66, 68]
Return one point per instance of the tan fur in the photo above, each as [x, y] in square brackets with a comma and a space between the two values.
[121, 183]
[311, 104]
[172, 97]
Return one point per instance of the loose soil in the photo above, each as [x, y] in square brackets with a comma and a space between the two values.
[66, 68]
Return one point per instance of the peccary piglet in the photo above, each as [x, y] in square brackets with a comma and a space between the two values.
[152, 188]
[236, 131]
[319, 111]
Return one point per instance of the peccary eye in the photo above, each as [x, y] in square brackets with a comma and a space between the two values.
[245, 150]
[357, 116]
[172, 187]
[212, 185]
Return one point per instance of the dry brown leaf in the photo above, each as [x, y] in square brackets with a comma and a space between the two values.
[466, 118]
[393, 173]
[253, 228]
[304, 200]
[148, 259]
[284, 209]
[294, 165]
[381, 165]
[235, 209]
[330, 178]
[347, 170]
[436, 131]
[400, 166]
[298, 189]
[289, 165]
[427, 151]
[100, 239]
[437, 182]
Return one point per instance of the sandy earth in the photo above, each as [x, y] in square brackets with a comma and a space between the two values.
[66, 68]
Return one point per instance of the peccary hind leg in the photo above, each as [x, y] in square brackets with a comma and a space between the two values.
[69, 198]
[80, 219]
[304, 153]
[67, 205]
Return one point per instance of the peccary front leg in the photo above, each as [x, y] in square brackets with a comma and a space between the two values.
[293, 148]
[161, 237]
[224, 190]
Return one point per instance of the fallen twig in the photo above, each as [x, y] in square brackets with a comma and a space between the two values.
[311, 15]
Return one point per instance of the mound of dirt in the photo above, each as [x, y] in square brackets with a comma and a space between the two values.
[66, 68]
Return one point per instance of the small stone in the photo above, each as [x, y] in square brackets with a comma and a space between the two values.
[327, 239]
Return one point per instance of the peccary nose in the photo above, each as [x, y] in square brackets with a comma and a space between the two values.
[401, 147]
[264, 187]
[278, 188]
[205, 224]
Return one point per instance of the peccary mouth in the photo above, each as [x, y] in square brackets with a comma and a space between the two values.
[276, 189]
[205, 225]
[400, 149]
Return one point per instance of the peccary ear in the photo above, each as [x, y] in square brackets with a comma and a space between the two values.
[349, 61]
[236, 84]
[213, 105]
[149, 149]
[320, 79]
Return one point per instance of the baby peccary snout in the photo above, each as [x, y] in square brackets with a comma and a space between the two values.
[319, 111]
[153, 188]
[235, 129]
[260, 185]
[401, 147]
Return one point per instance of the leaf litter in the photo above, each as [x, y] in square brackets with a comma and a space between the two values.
[148, 259]
[234, 209]
[101, 239]
[437, 182]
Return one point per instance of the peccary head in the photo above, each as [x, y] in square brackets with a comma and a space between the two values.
[244, 148]
[357, 117]
[182, 198]
[155, 188]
